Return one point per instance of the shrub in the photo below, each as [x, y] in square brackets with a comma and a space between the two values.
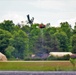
[65, 57]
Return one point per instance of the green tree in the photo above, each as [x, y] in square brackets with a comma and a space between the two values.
[63, 40]
[33, 37]
[74, 30]
[9, 51]
[51, 42]
[74, 43]
[19, 42]
[5, 37]
[7, 25]
[66, 27]
[26, 29]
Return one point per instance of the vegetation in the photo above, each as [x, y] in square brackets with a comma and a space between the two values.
[73, 62]
[22, 41]
[37, 66]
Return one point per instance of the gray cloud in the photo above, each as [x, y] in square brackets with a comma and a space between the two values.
[45, 11]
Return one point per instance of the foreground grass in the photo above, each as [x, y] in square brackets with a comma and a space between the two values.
[37, 66]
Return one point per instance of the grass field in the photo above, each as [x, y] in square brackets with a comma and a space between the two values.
[37, 66]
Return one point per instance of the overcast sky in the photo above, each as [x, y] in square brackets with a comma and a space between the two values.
[44, 11]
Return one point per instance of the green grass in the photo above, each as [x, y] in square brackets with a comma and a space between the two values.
[37, 66]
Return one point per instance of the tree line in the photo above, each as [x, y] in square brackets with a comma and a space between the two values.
[18, 41]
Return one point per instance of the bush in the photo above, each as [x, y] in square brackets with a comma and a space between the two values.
[65, 57]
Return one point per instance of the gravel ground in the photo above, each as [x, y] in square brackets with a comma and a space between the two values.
[37, 72]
